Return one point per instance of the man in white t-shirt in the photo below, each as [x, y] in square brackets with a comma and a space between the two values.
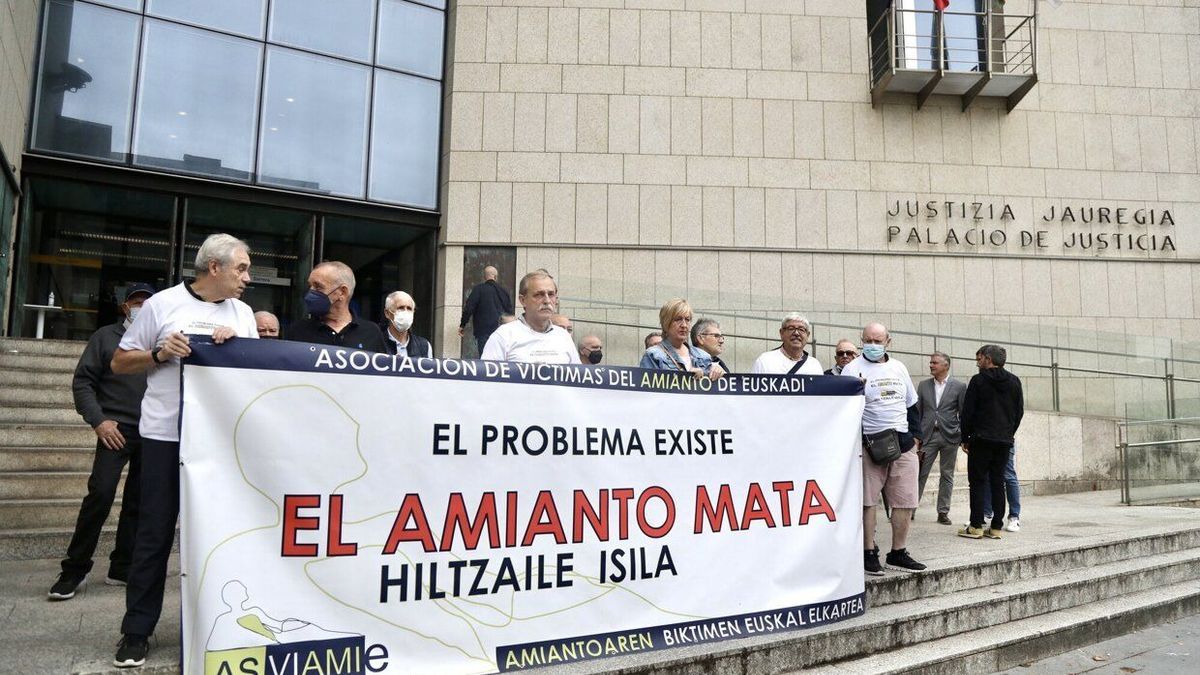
[154, 343]
[533, 338]
[789, 358]
[891, 408]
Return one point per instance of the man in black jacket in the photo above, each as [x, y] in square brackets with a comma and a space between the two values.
[992, 411]
[399, 308]
[112, 405]
[484, 306]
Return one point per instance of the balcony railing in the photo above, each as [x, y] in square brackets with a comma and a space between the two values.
[966, 54]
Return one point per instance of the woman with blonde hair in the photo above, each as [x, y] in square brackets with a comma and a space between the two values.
[674, 352]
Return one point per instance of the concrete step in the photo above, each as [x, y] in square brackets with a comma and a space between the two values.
[38, 415]
[40, 543]
[32, 378]
[58, 396]
[46, 459]
[44, 484]
[46, 435]
[1005, 569]
[41, 514]
[23, 361]
[1019, 642]
[42, 347]
[957, 602]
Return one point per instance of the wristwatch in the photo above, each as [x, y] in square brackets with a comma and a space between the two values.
[154, 355]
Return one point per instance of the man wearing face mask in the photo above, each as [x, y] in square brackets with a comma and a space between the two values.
[591, 350]
[891, 410]
[532, 338]
[330, 321]
[111, 404]
[398, 311]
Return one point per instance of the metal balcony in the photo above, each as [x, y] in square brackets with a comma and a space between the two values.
[965, 54]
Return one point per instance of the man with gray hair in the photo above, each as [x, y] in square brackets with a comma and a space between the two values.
[940, 400]
[790, 358]
[154, 343]
[330, 321]
[398, 311]
[533, 337]
[706, 334]
[268, 325]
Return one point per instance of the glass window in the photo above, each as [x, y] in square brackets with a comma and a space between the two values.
[440, 4]
[82, 244]
[314, 124]
[197, 101]
[281, 243]
[340, 28]
[244, 17]
[85, 88]
[410, 38]
[404, 140]
[131, 5]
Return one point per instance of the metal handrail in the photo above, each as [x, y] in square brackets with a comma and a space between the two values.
[1175, 420]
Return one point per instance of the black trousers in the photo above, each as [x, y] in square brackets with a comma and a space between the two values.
[985, 466]
[155, 535]
[93, 512]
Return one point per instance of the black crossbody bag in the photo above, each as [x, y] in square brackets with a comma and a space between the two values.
[883, 447]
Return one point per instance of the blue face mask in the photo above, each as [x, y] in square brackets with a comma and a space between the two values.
[874, 352]
[316, 303]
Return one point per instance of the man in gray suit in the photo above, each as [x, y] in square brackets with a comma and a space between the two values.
[940, 400]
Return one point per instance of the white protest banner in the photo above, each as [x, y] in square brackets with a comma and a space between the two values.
[347, 512]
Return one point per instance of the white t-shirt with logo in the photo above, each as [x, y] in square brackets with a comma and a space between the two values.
[889, 391]
[166, 312]
[775, 362]
[516, 341]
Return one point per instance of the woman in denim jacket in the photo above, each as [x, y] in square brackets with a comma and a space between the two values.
[674, 352]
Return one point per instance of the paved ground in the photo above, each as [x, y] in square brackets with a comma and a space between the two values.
[1169, 648]
[79, 635]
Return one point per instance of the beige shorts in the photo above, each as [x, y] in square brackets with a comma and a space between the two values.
[898, 481]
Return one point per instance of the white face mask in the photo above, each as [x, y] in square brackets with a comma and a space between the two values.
[402, 320]
[133, 312]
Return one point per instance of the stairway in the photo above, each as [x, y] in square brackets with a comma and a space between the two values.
[989, 614]
[45, 451]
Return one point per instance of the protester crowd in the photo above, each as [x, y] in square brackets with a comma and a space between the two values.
[126, 387]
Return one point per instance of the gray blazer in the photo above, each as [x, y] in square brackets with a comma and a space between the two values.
[945, 416]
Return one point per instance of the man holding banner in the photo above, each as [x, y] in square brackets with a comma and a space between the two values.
[155, 343]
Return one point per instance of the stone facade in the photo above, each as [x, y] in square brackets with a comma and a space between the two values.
[18, 35]
[727, 151]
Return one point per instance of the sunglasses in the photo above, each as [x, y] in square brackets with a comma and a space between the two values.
[847, 353]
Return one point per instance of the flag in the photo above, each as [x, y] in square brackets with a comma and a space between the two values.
[941, 5]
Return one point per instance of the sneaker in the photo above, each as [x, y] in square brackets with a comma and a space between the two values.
[991, 534]
[871, 562]
[113, 580]
[971, 532]
[901, 560]
[1014, 525]
[131, 651]
[944, 519]
[65, 587]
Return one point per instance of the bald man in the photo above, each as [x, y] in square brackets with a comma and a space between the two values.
[330, 320]
[484, 306]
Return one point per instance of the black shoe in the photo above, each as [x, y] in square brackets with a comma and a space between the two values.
[65, 587]
[871, 562]
[131, 651]
[944, 519]
[900, 560]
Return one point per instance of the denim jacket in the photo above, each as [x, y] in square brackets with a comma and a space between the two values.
[663, 357]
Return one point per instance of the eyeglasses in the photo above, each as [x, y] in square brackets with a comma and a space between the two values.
[716, 335]
[796, 329]
[847, 353]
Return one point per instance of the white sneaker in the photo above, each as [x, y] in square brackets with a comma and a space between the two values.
[1014, 525]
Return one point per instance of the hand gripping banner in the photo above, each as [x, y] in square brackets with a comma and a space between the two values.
[345, 512]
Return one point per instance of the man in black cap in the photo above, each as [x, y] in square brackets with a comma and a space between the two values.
[111, 404]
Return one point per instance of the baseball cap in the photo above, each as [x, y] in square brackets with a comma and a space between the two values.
[136, 288]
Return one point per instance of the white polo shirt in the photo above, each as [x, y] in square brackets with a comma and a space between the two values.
[775, 362]
[516, 341]
[166, 312]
